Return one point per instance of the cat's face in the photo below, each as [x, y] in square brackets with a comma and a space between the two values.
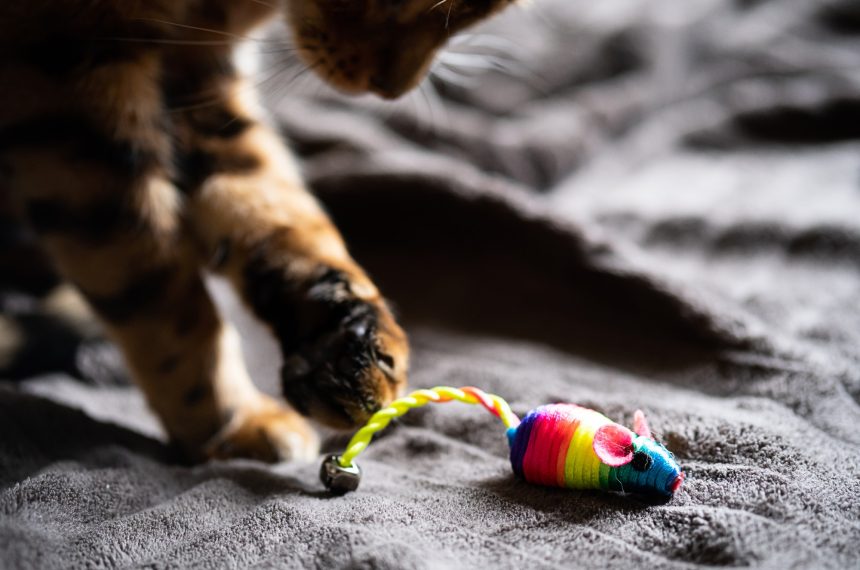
[382, 46]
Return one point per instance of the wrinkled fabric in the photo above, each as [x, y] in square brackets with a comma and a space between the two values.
[638, 204]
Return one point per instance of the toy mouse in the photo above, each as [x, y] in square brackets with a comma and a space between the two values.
[562, 445]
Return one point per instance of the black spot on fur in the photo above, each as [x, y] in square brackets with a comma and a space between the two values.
[196, 394]
[81, 141]
[23, 264]
[60, 55]
[476, 8]
[189, 86]
[198, 165]
[299, 308]
[94, 222]
[221, 255]
[219, 122]
[140, 296]
[68, 45]
[189, 315]
[169, 364]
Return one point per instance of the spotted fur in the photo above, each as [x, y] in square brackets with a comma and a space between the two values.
[135, 151]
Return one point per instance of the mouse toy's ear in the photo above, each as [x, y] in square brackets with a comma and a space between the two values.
[613, 445]
[640, 424]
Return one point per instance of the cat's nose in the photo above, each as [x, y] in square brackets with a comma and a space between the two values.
[392, 75]
[385, 87]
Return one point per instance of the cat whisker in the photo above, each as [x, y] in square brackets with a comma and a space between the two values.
[474, 61]
[169, 41]
[302, 72]
[452, 76]
[286, 49]
[202, 29]
[431, 119]
[503, 51]
[436, 5]
[216, 96]
[499, 53]
[473, 64]
[435, 106]
[502, 45]
[306, 83]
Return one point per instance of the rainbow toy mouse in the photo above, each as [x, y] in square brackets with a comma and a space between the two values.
[561, 445]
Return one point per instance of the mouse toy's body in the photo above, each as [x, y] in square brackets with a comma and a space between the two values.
[567, 445]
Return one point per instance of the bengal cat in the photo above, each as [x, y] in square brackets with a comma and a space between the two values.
[134, 149]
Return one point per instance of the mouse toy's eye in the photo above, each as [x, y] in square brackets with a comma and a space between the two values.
[641, 461]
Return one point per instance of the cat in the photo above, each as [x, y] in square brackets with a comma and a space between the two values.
[136, 152]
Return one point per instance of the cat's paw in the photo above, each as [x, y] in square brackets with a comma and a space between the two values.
[353, 357]
[267, 431]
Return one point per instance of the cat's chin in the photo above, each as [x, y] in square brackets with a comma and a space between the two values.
[388, 94]
[388, 90]
[389, 87]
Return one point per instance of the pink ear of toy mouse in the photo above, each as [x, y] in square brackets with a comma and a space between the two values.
[640, 424]
[613, 445]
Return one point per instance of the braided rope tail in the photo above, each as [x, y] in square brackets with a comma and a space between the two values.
[340, 474]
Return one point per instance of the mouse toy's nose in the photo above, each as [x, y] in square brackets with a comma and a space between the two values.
[675, 485]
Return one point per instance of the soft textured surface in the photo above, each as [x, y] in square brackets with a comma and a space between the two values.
[659, 211]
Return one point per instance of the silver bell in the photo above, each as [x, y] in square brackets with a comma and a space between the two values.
[337, 478]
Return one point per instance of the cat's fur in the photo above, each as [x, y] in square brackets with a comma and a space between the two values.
[135, 150]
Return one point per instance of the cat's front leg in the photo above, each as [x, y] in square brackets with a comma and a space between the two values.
[91, 172]
[121, 242]
[344, 354]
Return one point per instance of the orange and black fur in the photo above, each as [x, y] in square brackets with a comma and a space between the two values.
[133, 148]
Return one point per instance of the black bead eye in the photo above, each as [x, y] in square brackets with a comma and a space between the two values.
[641, 461]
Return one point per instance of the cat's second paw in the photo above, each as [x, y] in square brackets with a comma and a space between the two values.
[352, 359]
[265, 430]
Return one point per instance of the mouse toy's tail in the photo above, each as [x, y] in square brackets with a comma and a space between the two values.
[341, 475]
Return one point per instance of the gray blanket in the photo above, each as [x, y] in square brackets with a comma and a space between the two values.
[625, 204]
